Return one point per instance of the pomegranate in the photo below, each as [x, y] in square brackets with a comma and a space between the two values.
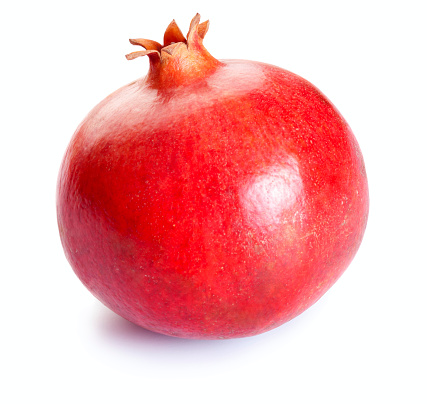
[211, 198]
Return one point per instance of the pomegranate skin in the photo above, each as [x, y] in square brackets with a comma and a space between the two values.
[218, 209]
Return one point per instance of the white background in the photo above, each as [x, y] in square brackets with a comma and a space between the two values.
[363, 342]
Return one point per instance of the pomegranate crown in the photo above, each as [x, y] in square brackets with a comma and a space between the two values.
[173, 41]
[180, 60]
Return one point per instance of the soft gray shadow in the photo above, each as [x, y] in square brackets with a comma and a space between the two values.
[153, 354]
[116, 328]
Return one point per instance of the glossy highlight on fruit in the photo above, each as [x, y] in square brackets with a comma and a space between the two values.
[211, 198]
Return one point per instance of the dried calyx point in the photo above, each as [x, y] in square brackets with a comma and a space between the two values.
[173, 41]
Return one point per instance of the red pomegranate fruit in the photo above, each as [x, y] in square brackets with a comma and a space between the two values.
[211, 198]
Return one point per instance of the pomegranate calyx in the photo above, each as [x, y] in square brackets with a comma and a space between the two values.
[180, 60]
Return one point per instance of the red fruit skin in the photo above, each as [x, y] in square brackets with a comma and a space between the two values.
[220, 209]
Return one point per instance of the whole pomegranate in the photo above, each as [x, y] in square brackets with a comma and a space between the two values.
[211, 198]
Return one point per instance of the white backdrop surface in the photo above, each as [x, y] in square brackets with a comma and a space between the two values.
[364, 341]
